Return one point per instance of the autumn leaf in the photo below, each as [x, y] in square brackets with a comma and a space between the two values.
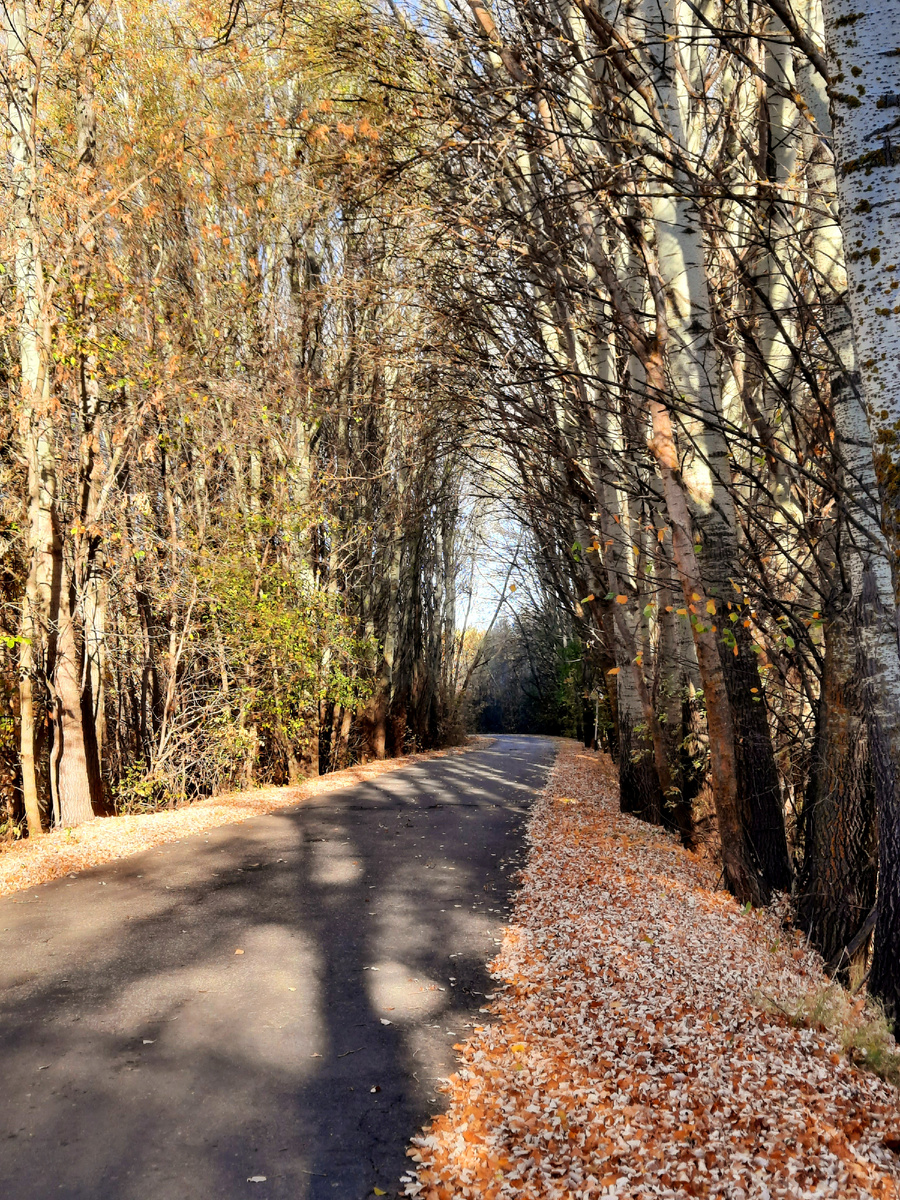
[621, 599]
[629, 1004]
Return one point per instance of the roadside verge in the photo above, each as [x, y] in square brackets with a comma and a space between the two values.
[630, 1053]
[61, 852]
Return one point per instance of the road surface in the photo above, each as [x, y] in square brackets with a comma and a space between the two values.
[276, 998]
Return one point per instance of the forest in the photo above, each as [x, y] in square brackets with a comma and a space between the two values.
[305, 307]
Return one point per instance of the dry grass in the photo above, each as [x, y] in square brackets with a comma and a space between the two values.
[859, 1024]
[27, 864]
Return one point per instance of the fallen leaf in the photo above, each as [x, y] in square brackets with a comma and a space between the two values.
[636, 994]
[239, 952]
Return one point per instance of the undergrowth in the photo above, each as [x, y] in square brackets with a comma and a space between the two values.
[860, 1026]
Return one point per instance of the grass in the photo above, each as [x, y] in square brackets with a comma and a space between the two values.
[860, 1026]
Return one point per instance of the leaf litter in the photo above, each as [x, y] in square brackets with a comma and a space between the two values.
[27, 864]
[628, 1055]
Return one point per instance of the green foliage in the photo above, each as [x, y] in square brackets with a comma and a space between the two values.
[531, 680]
[569, 687]
[12, 830]
[288, 644]
[139, 792]
[263, 649]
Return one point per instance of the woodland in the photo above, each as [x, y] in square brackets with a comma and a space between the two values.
[296, 299]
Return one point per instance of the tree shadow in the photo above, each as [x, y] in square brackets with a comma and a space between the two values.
[145, 1058]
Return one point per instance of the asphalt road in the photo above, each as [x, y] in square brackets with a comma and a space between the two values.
[142, 1058]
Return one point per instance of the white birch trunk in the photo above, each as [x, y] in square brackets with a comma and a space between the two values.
[865, 98]
[35, 424]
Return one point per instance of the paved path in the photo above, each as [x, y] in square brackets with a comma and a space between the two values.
[142, 1058]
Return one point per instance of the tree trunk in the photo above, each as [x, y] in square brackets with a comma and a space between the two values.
[838, 879]
[866, 82]
[691, 358]
[72, 765]
[742, 877]
[35, 426]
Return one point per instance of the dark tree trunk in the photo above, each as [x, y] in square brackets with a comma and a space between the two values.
[839, 874]
[757, 773]
[878, 628]
[639, 790]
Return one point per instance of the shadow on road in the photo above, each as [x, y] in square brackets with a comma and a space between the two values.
[145, 1058]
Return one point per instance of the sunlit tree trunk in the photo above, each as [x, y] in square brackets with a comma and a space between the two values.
[73, 771]
[35, 423]
[778, 324]
[738, 861]
[706, 468]
[865, 93]
[88, 573]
